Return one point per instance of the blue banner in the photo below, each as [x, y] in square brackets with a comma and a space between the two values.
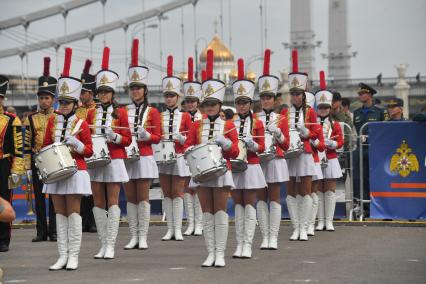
[397, 156]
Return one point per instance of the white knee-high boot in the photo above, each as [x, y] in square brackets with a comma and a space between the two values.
[274, 223]
[101, 225]
[188, 200]
[168, 209]
[112, 231]
[263, 218]
[313, 214]
[249, 229]
[62, 242]
[320, 211]
[198, 217]
[144, 215]
[239, 229]
[330, 206]
[221, 226]
[177, 217]
[294, 216]
[75, 232]
[132, 218]
[208, 219]
[305, 208]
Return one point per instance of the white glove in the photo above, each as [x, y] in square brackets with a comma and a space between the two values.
[143, 135]
[112, 136]
[223, 142]
[14, 178]
[277, 133]
[180, 138]
[304, 132]
[315, 142]
[75, 143]
[363, 138]
[331, 144]
[251, 145]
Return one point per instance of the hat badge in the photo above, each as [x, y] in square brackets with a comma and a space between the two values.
[241, 90]
[266, 86]
[191, 91]
[169, 86]
[45, 84]
[323, 98]
[295, 82]
[135, 76]
[209, 91]
[104, 79]
[65, 89]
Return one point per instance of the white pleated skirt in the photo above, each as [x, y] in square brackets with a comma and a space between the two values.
[252, 178]
[78, 183]
[113, 172]
[318, 172]
[333, 169]
[145, 167]
[301, 166]
[275, 170]
[180, 168]
[222, 181]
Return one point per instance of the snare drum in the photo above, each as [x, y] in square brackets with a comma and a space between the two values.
[100, 155]
[55, 163]
[205, 162]
[296, 146]
[239, 164]
[270, 150]
[132, 150]
[164, 152]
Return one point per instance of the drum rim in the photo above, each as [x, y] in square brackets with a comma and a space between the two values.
[73, 168]
[218, 168]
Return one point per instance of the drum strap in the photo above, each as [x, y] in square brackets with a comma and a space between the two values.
[77, 127]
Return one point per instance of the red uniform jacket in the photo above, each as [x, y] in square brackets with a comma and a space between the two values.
[55, 132]
[151, 123]
[336, 135]
[320, 147]
[173, 121]
[102, 116]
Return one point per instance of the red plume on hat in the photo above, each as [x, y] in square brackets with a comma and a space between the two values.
[323, 84]
[67, 62]
[209, 64]
[169, 65]
[295, 60]
[266, 62]
[190, 69]
[203, 75]
[46, 69]
[87, 66]
[135, 52]
[105, 58]
[240, 69]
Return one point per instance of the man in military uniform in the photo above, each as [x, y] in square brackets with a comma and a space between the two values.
[11, 159]
[396, 109]
[88, 102]
[367, 113]
[35, 128]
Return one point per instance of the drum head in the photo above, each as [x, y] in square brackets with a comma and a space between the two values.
[98, 163]
[211, 174]
[238, 166]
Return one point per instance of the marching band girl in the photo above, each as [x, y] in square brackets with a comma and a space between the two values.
[192, 91]
[213, 194]
[110, 120]
[251, 131]
[333, 139]
[302, 118]
[145, 125]
[174, 126]
[66, 194]
[275, 169]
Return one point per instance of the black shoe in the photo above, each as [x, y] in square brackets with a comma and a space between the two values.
[4, 248]
[92, 229]
[53, 237]
[39, 239]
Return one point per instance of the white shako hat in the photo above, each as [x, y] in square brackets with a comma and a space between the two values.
[242, 88]
[323, 96]
[106, 79]
[213, 89]
[268, 84]
[297, 80]
[171, 84]
[137, 74]
[68, 88]
[191, 88]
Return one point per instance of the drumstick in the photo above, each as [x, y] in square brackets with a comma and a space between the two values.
[116, 127]
[171, 133]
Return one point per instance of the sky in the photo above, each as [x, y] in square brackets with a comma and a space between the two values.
[384, 33]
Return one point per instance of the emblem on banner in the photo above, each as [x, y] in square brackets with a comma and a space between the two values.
[404, 161]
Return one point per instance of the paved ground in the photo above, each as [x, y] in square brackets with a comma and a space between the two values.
[352, 254]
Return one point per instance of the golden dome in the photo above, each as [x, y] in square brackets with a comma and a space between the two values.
[251, 76]
[233, 75]
[220, 51]
[183, 76]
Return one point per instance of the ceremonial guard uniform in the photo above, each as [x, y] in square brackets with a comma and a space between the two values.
[35, 129]
[175, 125]
[11, 158]
[214, 193]
[144, 121]
[68, 129]
[111, 120]
[274, 169]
